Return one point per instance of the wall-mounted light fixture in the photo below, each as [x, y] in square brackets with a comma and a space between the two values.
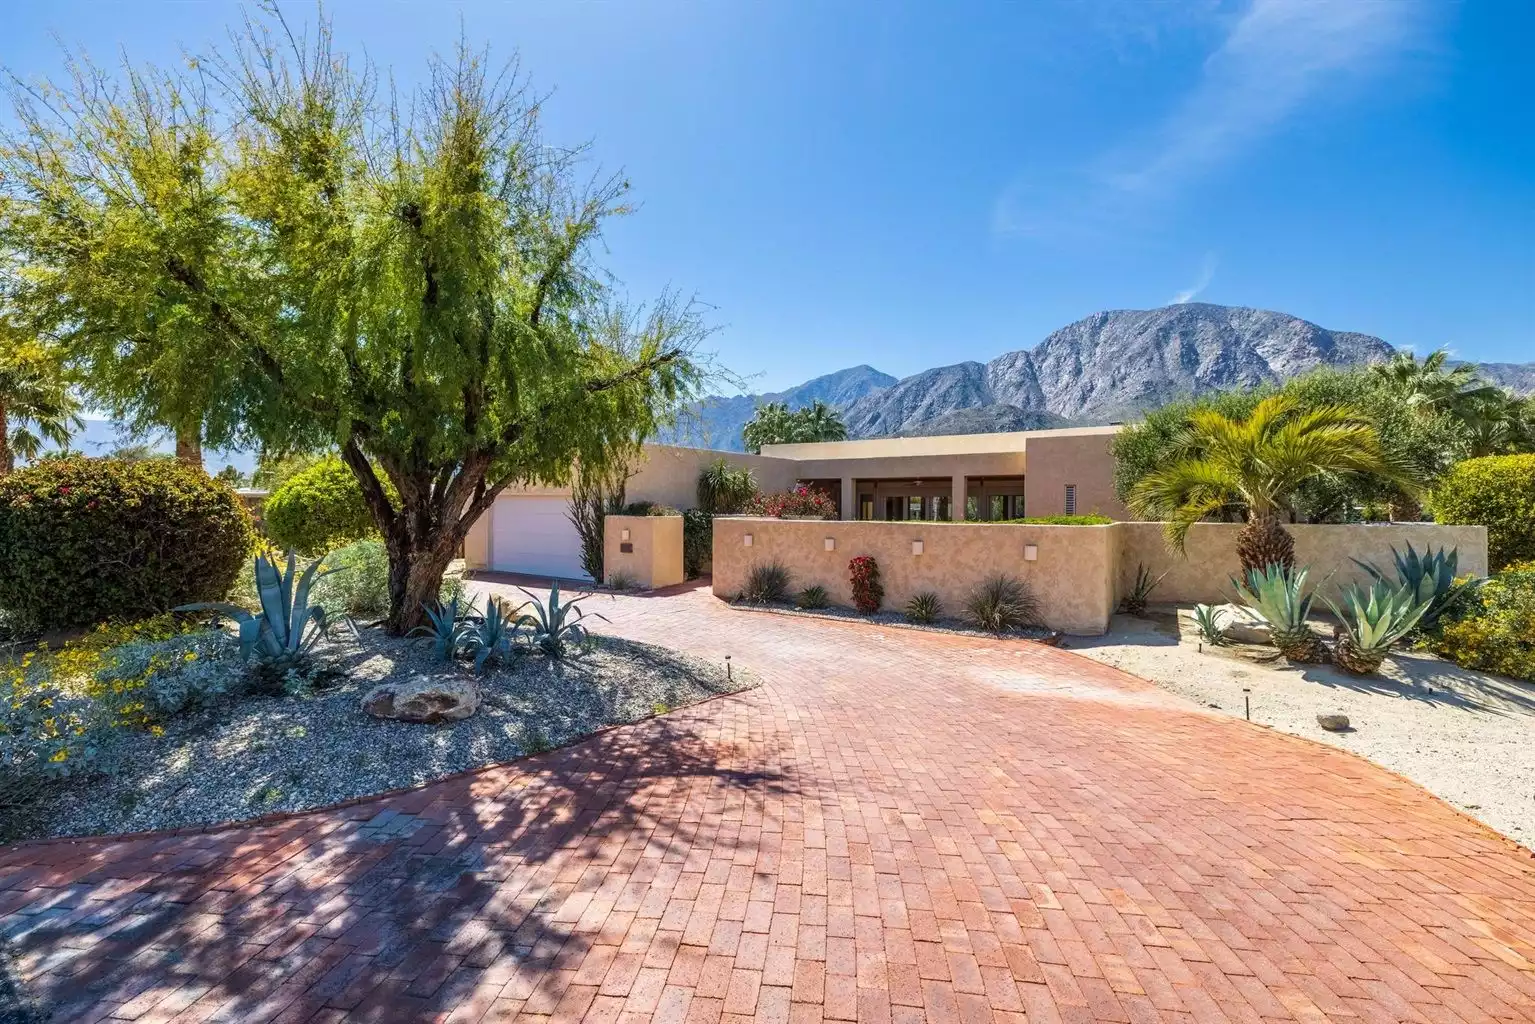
[831, 543]
[1031, 552]
[623, 535]
[747, 540]
[916, 547]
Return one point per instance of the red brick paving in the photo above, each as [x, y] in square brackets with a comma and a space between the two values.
[897, 826]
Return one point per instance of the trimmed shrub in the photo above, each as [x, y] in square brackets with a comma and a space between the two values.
[697, 541]
[84, 541]
[1091, 519]
[767, 583]
[1495, 630]
[318, 509]
[1002, 604]
[802, 501]
[648, 508]
[1497, 492]
[868, 591]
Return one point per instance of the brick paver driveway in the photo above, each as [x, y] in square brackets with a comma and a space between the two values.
[895, 825]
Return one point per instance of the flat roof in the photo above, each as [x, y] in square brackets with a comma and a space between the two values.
[941, 444]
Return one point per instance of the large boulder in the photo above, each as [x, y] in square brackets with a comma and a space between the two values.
[1242, 625]
[425, 699]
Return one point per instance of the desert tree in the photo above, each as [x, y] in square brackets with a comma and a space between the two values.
[270, 244]
[36, 405]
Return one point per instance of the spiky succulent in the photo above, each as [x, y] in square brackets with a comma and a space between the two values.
[490, 635]
[287, 628]
[447, 628]
[1430, 576]
[1371, 619]
[1279, 595]
[1207, 618]
[555, 627]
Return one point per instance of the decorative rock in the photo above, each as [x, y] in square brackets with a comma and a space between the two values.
[1333, 723]
[1243, 625]
[423, 699]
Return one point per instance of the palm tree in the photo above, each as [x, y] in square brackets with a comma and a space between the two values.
[1259, 463]
[820, 422]
[1429, 388]
[35, 401]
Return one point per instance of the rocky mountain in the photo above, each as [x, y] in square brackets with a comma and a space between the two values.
[1106, 367]
[716, 422]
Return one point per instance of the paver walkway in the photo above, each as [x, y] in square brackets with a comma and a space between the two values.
[896, 826]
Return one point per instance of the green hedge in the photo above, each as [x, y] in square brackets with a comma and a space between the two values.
[84, 540]
[1495, 631]
[318, 509]
[1497, 492]
[1087, 520]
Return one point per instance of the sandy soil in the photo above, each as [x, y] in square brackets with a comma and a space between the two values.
[1467, 737]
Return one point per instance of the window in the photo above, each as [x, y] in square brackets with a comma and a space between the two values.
[1071, 499]
[866, 506]
[893, 509]
[914, 507]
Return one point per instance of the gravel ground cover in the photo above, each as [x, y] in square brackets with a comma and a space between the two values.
[258, 755]
[1467, 737]
[894, 618]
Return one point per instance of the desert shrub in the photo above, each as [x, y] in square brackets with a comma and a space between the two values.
[723, 488]
[360, 587]
[868, 591]
[47, 733]
[158, 679]
[812, 597]
[84, 541]
[802, 501]
[623, 579]
[1495, 630]
[1497, 492]
[1000, 604]
[1091, 519]
[767, 583]
[648, 508]
[697, 541]
[318, 509]
[924, 608]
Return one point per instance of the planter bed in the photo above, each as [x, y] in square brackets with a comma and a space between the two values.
[255, 756]
[898, 620]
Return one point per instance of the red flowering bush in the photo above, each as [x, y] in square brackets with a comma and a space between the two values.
[802, 501]
[868, 592]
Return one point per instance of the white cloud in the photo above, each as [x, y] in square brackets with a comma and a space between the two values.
[1206, 275]
[1275, 59]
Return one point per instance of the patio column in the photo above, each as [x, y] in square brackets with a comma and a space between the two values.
[957, 502]
[849, 498]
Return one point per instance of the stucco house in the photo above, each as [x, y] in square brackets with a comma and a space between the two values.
[989, 476]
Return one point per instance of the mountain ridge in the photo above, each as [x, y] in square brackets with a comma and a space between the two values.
[1108, 366]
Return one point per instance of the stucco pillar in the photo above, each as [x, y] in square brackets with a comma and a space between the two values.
[849, 498]
[957, 501]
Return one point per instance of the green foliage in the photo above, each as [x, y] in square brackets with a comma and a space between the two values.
[812, 598]
[1497, 492]
[1143, 447]
[1495, 630]
[1279, 595]
[1134, 603]
[359, 583]
[1207, 619]
[1372, 619]
[36, 404]
[1001, 604]
[697, 541]
[162, 678]
[767, 583]
[446, 630]
[283, 634]
[307, 262]
[491, 634]
[318, 509]
[595, 495]
[1260, 463]
[723, 489]
[87, 540]
[1091, 519]
[776, 423]
[555, 629]
[272, 471]
[47, 733]
[648, 508]
[924, 608]
[1431, 576]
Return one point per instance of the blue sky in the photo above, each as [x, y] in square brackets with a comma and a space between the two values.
[908, 185]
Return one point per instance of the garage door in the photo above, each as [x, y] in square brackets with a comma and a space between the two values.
[534, 536]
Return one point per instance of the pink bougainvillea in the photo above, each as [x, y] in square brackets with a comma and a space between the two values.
[802, 501]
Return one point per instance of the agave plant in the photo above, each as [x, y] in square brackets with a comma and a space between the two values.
[1431, 577]
[924, 607]
[286, 629]
[1279, 595]
[554, 627]
[1134, 603]
[1207, 619]
[812, 597]
[491, 634]
[1371, 620]
[447, 628]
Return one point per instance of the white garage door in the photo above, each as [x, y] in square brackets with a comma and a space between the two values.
[534, 536]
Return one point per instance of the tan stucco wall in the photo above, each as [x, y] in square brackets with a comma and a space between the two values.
[1204, 572]
[669, 475]
[1073, 576]
[1056, 460]
[656, 558]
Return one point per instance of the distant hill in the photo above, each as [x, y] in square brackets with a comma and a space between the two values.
[1106, 367]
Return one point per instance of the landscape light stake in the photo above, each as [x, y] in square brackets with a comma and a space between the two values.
[1247, 703]
[728, 677]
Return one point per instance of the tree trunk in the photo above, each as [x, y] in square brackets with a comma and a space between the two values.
[1263, 541]
[415, 578]
[189, 447]
[7, 457]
